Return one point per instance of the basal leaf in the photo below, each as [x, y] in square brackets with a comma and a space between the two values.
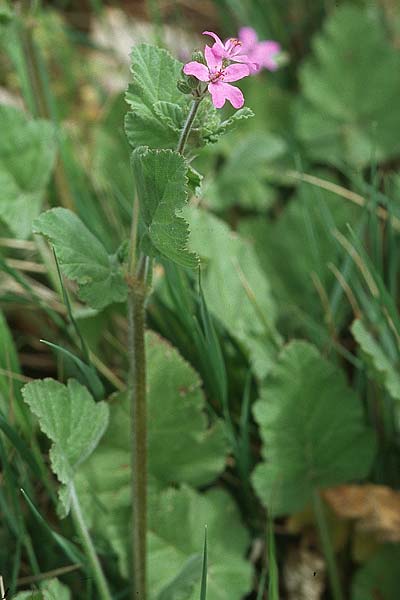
[70, 418]
[338, 120]
[235, 287]
[83, 258]
[27, 154]
[313, 430]
[161, 181]
[182, 447]
[383, 367]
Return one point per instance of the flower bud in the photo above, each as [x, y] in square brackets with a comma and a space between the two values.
[183, 86]
[198, 56]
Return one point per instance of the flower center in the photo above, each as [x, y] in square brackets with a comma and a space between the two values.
[216, 75]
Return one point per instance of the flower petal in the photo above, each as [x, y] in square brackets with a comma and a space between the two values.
[267, 51]
[236, 72]
[217, 91]
[214, 62]
[233, 94]
[248, 37]
[197, 70]
[224, 91]
[218, 40]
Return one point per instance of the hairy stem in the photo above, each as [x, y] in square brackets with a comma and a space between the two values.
[327, 548]
[188, 125]
[137, 391]
[82, 530]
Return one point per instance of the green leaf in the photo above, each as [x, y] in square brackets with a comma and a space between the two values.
[383, 368]
[232, 185]
[9, 386]
[27, 155]
[313, 431]
[155, 101]
[379, 577]
[71, 419]
[212, 134]
[83, 258]
[177, 520]
[182, 448]
[235, 288]
[161, 181]
[338, 121]
[52, 589]
[181, 587]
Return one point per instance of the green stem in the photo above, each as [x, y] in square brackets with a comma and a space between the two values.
[82, 530]
[188, 125]
[137, 392]
[327, 547]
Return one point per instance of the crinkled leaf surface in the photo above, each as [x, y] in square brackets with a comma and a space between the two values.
[236, 289]
[27, 155]
[313, 430]
[183, 449]
[161, 181]
[379, 577]
[70, 418]
[345, 115]
[155, 101]
[384, 368]
[83, 258]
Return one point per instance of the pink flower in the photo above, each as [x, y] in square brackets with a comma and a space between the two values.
[262, 54]
[218, 77]
[231, 50]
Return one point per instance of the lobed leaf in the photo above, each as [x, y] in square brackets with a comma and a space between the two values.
[71, 419]
[313, 430]
[161, 182]
[83, 258]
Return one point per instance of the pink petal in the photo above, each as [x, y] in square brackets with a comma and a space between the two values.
[216, 38]
[217, 92]
[248, 37]
[265, 52]
[197, 70]
[223, 91]
[234, 95]
[236, 72]
[214, 62]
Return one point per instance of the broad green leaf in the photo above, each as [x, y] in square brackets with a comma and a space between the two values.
[150, 122]
[182, 447]
[337, 120]
[83, 258]
[71, 419]
[232, 184]
[52, 589]
[379, 577]
[177, 520]
[382, 366]
[161, 182]
[312, 427]
[212, 126]
[27, 155]
[235, 288]
[181, 587]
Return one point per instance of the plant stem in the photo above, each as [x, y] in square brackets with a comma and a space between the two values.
[326, 542]
[188, 125]
[137, 392]
[82, 530]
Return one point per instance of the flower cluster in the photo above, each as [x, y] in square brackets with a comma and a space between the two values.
[230, 61]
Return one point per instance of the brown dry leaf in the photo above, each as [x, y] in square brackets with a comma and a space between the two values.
[376, 508]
